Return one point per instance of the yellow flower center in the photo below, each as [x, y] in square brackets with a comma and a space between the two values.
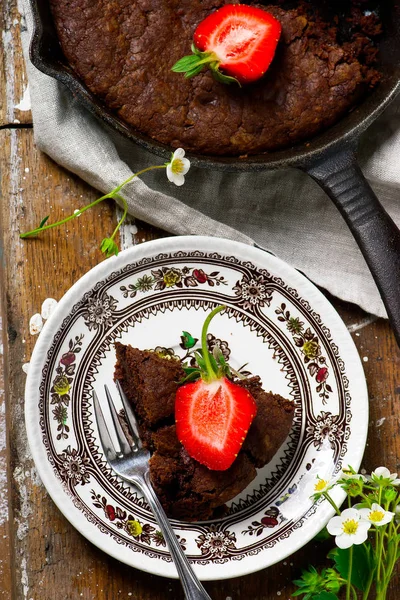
[376, 516]
[177, 166]
[320, 485]
[350, 526]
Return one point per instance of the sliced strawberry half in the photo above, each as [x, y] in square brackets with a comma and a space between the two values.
[239, 39]
[213, 414]
[212, 420]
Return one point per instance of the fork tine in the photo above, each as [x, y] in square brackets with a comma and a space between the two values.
[123, 442]
[130, 417]
[105, 439]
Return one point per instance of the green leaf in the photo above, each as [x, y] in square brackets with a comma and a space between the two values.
[363, 563]
[324, 596]
[214, 363]
[186, 63]
[218, 76]
[200, 361]
[43, 221]
[188, 341]
[190, 377]
[194, 71]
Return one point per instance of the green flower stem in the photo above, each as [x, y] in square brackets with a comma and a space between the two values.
[379, 552]
[369, 583]
[119, 187]
[331, 502]
[348, 584]
[81, 210]
[211, 374]
[122, 219]
[112, 194]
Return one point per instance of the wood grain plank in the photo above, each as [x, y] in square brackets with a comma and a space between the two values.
[13, 79]
[5, 533]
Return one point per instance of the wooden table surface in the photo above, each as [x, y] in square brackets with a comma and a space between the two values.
[42, 557]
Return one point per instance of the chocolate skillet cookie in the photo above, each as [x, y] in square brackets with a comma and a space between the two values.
[123, 51]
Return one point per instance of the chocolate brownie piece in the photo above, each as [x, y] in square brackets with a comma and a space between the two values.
[149, 382]
[269, 430]
[124, 52]
[187, 489]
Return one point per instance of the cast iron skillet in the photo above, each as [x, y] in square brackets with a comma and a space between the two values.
[329, 158]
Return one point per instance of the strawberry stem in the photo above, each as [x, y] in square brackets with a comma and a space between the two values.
[210, 374]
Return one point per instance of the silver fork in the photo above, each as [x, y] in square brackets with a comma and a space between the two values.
[132, 464]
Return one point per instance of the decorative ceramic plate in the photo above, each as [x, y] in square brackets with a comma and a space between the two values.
[276, 321]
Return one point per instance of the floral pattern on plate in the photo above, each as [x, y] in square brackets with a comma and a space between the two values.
[275, 323]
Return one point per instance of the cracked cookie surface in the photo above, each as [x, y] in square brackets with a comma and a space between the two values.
[124, 51]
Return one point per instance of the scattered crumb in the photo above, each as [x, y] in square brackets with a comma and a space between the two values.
[365, 358]
[35, 324]
[380, 422]
[25, 367]
[357, 334]
[26, 169]
[48, 307]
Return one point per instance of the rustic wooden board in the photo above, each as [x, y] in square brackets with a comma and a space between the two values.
[5, 537]
[49, 552]
[13, 79]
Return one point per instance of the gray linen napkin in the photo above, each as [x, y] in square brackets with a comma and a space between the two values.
[284, 212]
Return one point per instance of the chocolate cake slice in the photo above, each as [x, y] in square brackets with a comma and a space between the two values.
[187, 489]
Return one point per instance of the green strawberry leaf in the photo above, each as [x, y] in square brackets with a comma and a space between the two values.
[186, 63]
[43, 221]
[218, 76]
[193, 64]
[363, 563]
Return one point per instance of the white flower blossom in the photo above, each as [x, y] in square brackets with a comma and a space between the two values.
[382, 475]
[349, 474]
[376, 515]
[178, 167]
[397, 514]
[349, 528]
[320, 486]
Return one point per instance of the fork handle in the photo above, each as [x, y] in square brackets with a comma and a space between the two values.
[190, 583]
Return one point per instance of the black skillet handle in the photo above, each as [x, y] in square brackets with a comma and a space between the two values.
[376, 234]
